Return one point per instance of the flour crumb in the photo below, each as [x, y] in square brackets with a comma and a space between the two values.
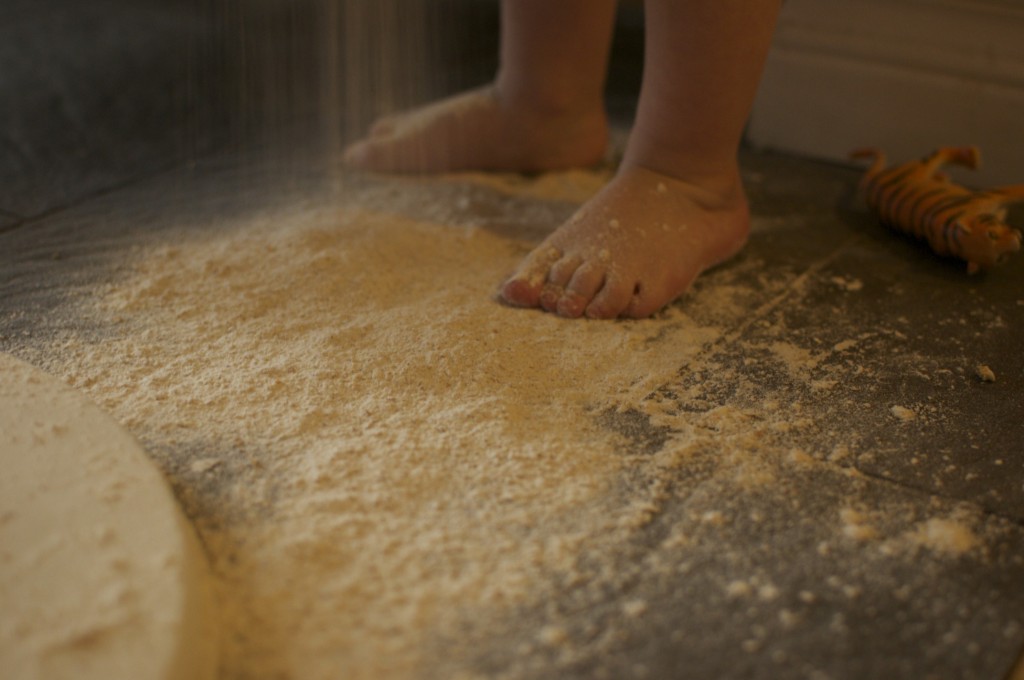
[751, 646]
[903, 413]
[838, 453]
[851, 285]
[984, 373]
[634, 608]
[788, 618]
[767, 593]
[855, 525]
[552, 636]
[807, 597]
[738, 589]
[713, 517]
[203, 465]
[852, 592]
[844, 345]
[949, 537]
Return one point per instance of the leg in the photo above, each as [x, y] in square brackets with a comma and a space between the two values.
[676, 205]
[995, 201]
[1010, 194]
[544, 111]
[967, 156]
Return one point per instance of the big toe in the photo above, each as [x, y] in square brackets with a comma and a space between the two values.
[357, 155]
[521, 292]
[386, 155]
[524, 287]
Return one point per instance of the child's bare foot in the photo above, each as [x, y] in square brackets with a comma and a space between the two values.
[483, 130]
[633, 248]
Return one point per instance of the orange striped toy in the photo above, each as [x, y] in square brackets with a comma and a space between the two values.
[919, 199]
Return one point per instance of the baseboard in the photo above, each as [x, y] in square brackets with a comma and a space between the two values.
[906, 76]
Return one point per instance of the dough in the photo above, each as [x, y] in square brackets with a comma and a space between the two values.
[101, 576]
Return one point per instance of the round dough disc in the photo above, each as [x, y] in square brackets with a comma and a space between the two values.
[101, 576]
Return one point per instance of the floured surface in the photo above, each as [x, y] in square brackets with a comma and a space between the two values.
[404, 447]
[100, 575]
[398, 477]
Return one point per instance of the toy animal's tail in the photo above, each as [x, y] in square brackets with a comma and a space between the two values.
[996, 200]
[877, 157]
[1009, 194]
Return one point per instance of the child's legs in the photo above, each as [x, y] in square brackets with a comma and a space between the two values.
[676, 205]
[554, 53]
[544, 111]
[703, 62]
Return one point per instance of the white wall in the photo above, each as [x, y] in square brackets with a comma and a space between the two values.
[904, 75]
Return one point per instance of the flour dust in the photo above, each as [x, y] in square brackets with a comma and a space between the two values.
[376, 445]
[376, 452]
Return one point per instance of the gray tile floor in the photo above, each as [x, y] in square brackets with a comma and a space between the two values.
[899, 326]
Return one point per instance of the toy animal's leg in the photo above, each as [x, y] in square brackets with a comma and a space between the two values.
[877, 157]
[994, 201]
[1010, 194]
[967, 156]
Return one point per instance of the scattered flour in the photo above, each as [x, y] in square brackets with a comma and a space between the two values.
[984, 373]
[950, 536]
[903, 413]
[386, 448]
[857, 525]
[797, 360]
[375, 451]
[850, 284]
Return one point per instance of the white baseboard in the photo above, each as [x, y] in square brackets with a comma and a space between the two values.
[906, 76]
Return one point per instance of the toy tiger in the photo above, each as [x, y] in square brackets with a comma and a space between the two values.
[919, 199]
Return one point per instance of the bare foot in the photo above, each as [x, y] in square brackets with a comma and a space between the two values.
[481, 130]
[633, 248]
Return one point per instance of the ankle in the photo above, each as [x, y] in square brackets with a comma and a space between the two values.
[712, 169]
[713, 187]
[545, 100]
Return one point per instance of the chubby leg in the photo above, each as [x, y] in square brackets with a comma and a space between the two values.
[544, 111]
[676, 205]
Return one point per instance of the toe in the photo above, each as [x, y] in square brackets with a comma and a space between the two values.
[377, 155]
[388, 154]
[561, 272]
[550, 296]
[524, 287]
[520, 292]
[585, 283]
[643, 303]
[611, 300]
[357, 154]
[384, 127]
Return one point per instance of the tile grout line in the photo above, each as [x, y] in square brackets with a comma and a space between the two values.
[931, 493]
[730, 337]
[16, 220]
[791, 289]
[22, 221]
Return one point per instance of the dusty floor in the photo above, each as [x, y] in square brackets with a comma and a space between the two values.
[813, 481]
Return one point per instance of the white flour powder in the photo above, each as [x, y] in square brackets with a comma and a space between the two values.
[398, 448]
[375, 451]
